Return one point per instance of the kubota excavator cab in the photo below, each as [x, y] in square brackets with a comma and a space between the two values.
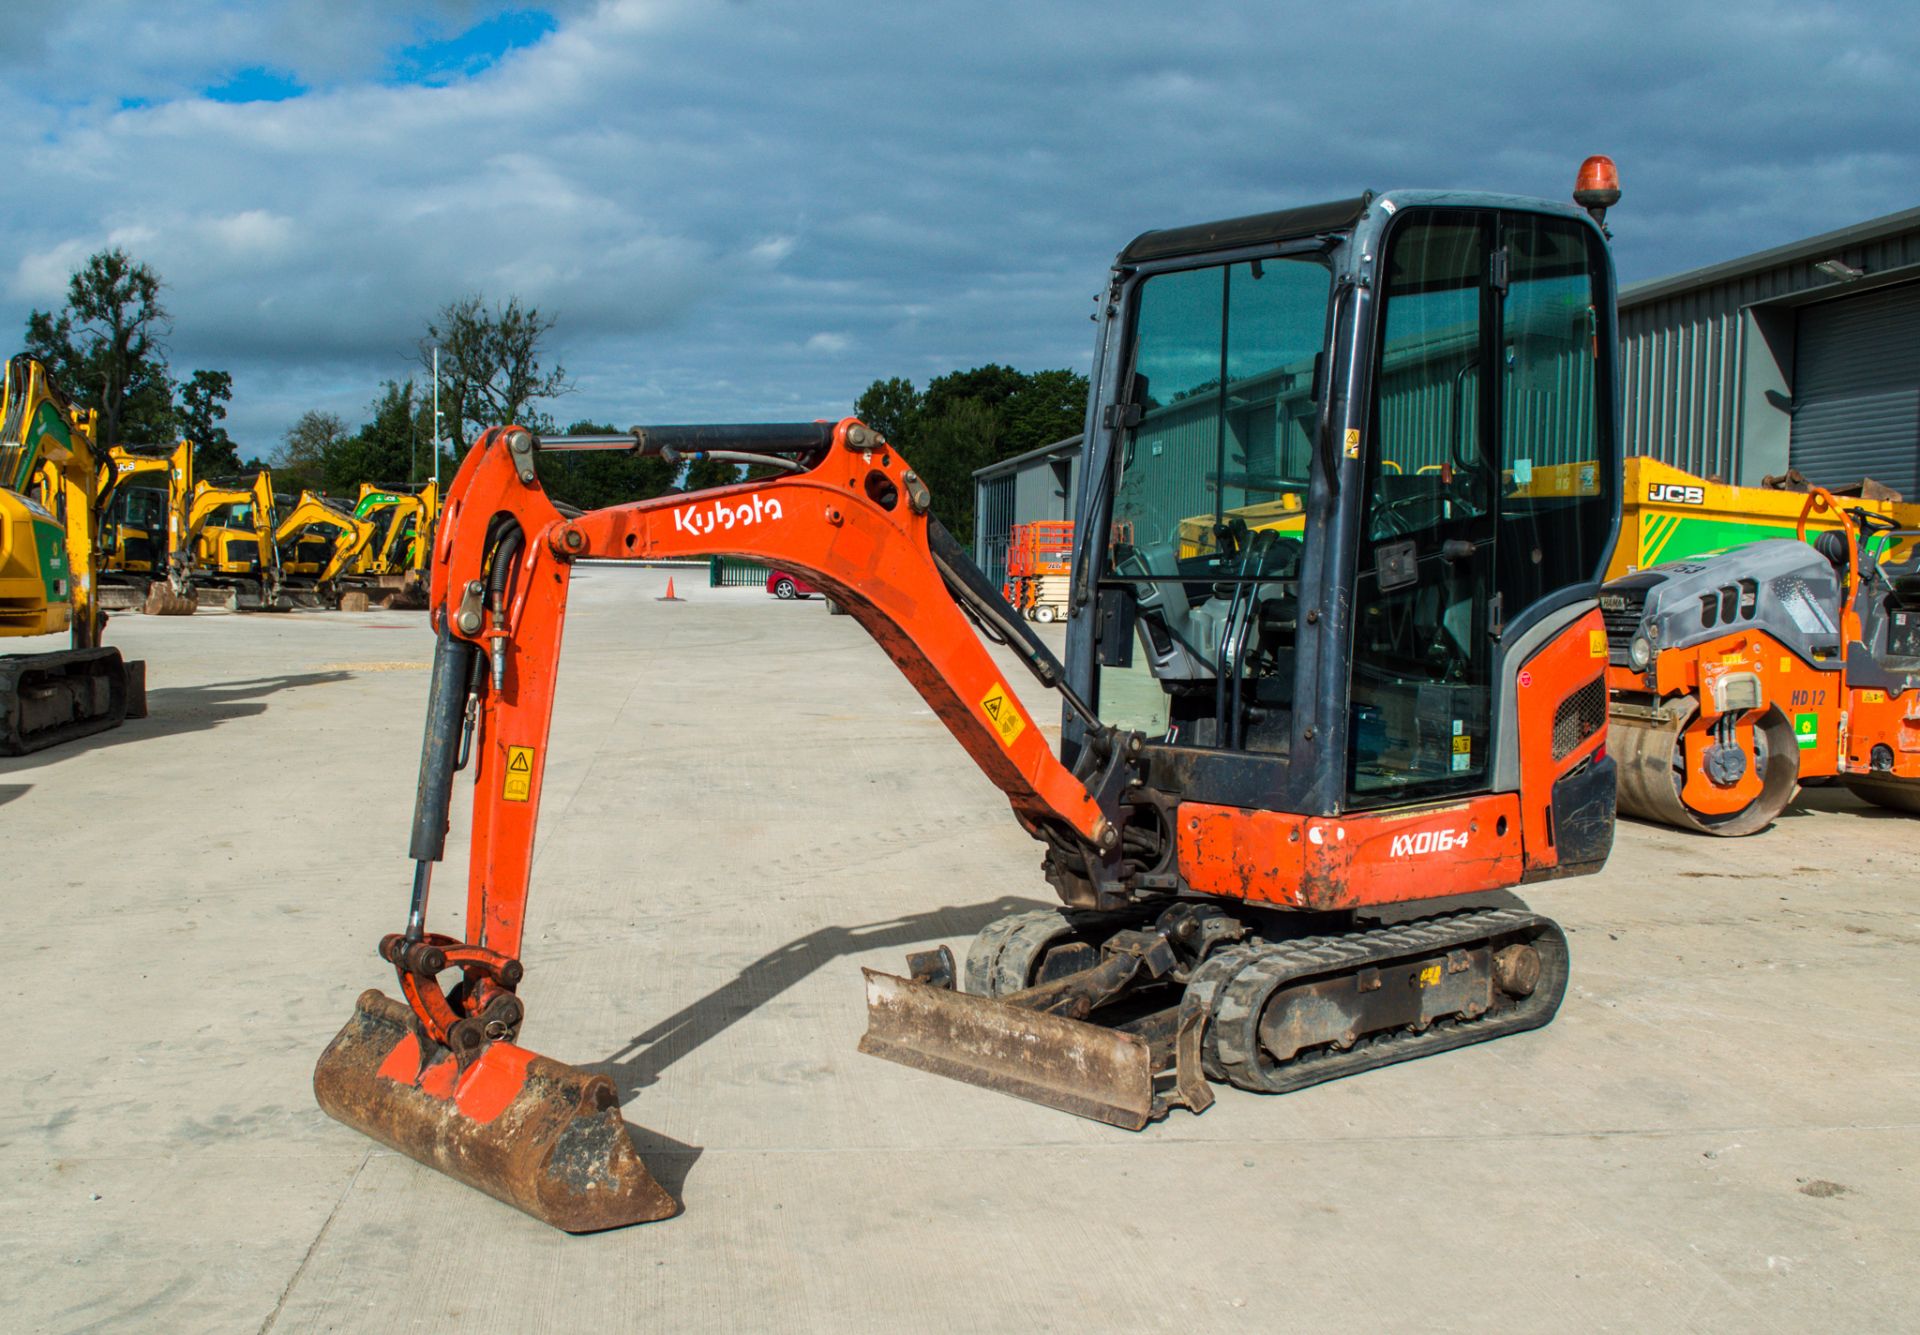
[1351, 479]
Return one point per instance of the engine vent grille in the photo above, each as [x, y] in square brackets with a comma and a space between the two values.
[1579, 716]
[1621, 613]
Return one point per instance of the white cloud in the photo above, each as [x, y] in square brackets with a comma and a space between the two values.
[750, 210]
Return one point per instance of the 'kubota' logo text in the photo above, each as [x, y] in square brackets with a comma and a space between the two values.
[1428, 841]
[720, 515]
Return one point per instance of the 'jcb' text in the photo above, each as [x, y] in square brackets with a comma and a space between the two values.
[1673, 493]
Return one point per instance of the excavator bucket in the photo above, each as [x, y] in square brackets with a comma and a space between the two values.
[538, 1134]
[1071, 1065]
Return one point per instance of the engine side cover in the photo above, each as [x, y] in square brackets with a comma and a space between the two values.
[1780, 586]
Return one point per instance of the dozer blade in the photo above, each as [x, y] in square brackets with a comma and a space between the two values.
[1067, 1064]
[538, 1134]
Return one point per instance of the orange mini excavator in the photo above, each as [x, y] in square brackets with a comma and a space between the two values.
[1293, 733]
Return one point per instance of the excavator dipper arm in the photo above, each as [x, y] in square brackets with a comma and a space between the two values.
[851, 524]
[852, 519]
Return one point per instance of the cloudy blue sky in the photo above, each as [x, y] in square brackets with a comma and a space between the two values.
[742, 209]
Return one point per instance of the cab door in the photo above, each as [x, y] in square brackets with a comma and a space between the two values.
[1425, 607]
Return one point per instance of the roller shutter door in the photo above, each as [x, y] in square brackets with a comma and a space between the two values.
[1856, 390]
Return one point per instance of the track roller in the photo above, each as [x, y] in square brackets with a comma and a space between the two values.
[1018, 951]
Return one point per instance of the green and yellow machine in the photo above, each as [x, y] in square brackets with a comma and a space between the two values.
[393, 567]
[318, 543]
[54, 495]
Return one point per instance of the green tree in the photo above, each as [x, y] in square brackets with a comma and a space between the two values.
[306, 448]
[106, 348]
[964, 436]
[705, 474]
[388, 450]
[198, 412]
[889, 407]
[968, 419]
[490, 364]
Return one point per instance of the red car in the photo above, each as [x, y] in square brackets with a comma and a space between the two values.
[784, 586]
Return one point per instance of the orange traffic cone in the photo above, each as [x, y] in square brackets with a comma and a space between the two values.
[669, 598]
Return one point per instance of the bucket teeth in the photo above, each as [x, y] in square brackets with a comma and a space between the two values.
[538, 1134]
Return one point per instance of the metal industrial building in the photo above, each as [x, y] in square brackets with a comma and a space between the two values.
[1040, 484]
[1805, 356]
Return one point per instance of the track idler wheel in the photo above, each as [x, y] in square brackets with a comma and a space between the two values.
[1017, 951]
[1727, 777]
[538, 1134]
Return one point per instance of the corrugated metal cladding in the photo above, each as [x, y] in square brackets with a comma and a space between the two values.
[1039, 484]
[1856, 390]
[993, 521]
[1684, 342]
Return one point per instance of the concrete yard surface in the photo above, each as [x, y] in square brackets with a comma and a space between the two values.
[744, 803]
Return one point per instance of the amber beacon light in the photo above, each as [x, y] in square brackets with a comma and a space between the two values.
[1597, 188]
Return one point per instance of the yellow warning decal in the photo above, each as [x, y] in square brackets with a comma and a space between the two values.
[1353, 442]
[518, 784]
[1597, 643]
[1732, 660]
[1003, 714]
[1463, 746]
[1873, 697]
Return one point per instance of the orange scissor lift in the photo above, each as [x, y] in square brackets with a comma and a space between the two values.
[1039, 559]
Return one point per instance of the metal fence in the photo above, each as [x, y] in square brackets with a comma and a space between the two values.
[726, 572]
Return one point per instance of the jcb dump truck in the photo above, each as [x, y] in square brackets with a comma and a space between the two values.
[53, 500]
[1269, 738]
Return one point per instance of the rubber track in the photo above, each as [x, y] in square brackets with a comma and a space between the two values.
[983, 952]
[1232, 1044]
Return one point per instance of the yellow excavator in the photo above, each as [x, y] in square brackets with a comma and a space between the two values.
[321, 583]
[145, 555]
[53, 497]
[230, 538]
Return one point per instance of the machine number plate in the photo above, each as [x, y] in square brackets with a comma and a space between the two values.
[1003, 714]
[517, 786]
